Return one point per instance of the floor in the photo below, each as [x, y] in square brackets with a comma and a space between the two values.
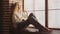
[53, 32]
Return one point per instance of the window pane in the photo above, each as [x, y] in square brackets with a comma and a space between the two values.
[54, 13]
[28, 4]
[54, 19]
[39, 4]
[54, 4]
[37, 7]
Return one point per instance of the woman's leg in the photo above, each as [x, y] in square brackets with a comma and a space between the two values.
[31, 20]
[34, 21]
[24, 24]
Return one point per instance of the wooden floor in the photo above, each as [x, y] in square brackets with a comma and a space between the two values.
[53, 32]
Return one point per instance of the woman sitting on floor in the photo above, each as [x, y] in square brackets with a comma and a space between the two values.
[22, 20]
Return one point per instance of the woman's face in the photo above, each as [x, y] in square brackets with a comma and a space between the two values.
[19, 7]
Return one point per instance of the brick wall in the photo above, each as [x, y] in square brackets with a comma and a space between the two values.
[0, 16]
[7, 17]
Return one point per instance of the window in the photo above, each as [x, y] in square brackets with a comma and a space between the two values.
[37, 7]
[54, 13]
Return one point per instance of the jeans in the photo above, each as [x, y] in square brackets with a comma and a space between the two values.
[31, 20]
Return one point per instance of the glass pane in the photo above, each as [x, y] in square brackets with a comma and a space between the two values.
[37, 7]
[54, 13]
[39, 4]
[54, 19]
[28, 5]
[54, 4]
[34, 4]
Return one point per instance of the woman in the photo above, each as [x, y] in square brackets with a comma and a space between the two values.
[22, 20]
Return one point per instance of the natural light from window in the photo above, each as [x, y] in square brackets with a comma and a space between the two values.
[37, 7]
